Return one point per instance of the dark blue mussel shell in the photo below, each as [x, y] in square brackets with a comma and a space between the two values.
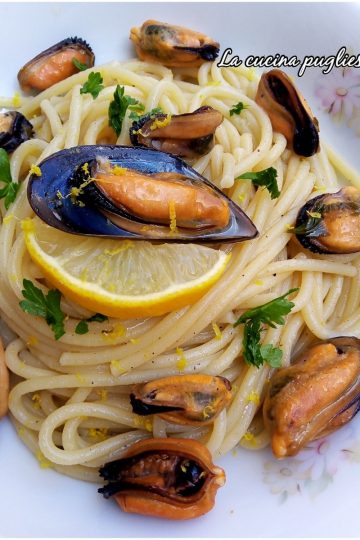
[58, 173]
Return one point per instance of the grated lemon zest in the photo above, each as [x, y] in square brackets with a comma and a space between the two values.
[214, 83]
[319, 188]
[148, 424]
[21, 431]
[119, 171]
[250, 437]
[103, 393]
[27, 225]
[172, 215]
[158, 123]
[116, 364]
[80, 378]
[241, 197]
[8, 219]
[254, 397]
[234, 452]
[182, 362]
[59, 195]
[36, 398]
[316, 215]
[85, 168]
[34, 169]
[32, 340]
[100, 434]
[16, 100]
[43, 461]
[134, 341]
[217, 331]
[289, 227]
[258, 282]
[118, 331]
[208, 411]
[22, 364]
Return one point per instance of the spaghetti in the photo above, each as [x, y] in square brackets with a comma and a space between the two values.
[70, 402]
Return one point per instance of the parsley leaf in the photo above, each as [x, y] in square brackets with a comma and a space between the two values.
[10, 189]
[271, 313]
[48, 307]
[82, 327]
[136, 117]
[266, 178]
[93, 85]
[238, 108]
[119, 106]
[79, 65]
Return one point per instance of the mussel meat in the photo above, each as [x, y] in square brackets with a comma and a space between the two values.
[167, 478]
[184, 399]
[172, 46]
[14, 130]
[313, 397]
[184, 135]
[330, 223]
[55, 64]
[288, 112]
[134, 193]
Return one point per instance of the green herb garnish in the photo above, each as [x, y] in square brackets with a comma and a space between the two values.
[271, 313]
[10, 189]
[136, 117]
[265, 178]
[79, 65]
[238, 108]
[82, 327]
[93, 85]
[48, 307]
[119, 106]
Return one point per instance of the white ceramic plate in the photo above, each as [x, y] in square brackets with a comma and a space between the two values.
[313, 495]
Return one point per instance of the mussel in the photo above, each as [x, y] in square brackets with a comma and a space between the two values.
[167, 478]
[136, 193]
[14, 130]
[184, 135]
[289, 113]
[330, 223]
[315, 396]
[184, 399]
[172, 46]
[55, 64]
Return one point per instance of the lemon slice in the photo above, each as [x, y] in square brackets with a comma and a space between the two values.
[121, 278]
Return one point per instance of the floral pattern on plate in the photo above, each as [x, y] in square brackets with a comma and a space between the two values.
[314, 468]
[339, 96]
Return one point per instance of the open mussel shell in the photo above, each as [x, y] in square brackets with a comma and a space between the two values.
[55, 64]
[288, 111]
[184, 135]
[172, 46]
[64, 197]
[330, 223]
[14, 130]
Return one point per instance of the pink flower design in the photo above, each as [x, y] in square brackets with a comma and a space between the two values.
[339, 92]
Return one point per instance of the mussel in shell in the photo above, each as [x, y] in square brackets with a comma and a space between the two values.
[136, 193]
[313, 397]
[14, 130]
[55, 64]
[184, 399]
[167, 478]
[184, 135]
[172, 46]
[288, 112]
[330, 223]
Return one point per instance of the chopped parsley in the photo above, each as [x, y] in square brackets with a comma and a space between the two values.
[82, 327]
[79, 65]
[119, 106]
[271, 314]
[265, 178]
[136, 117]
[238, 108]
[10, 188]
[48, 307]
[93, 85]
